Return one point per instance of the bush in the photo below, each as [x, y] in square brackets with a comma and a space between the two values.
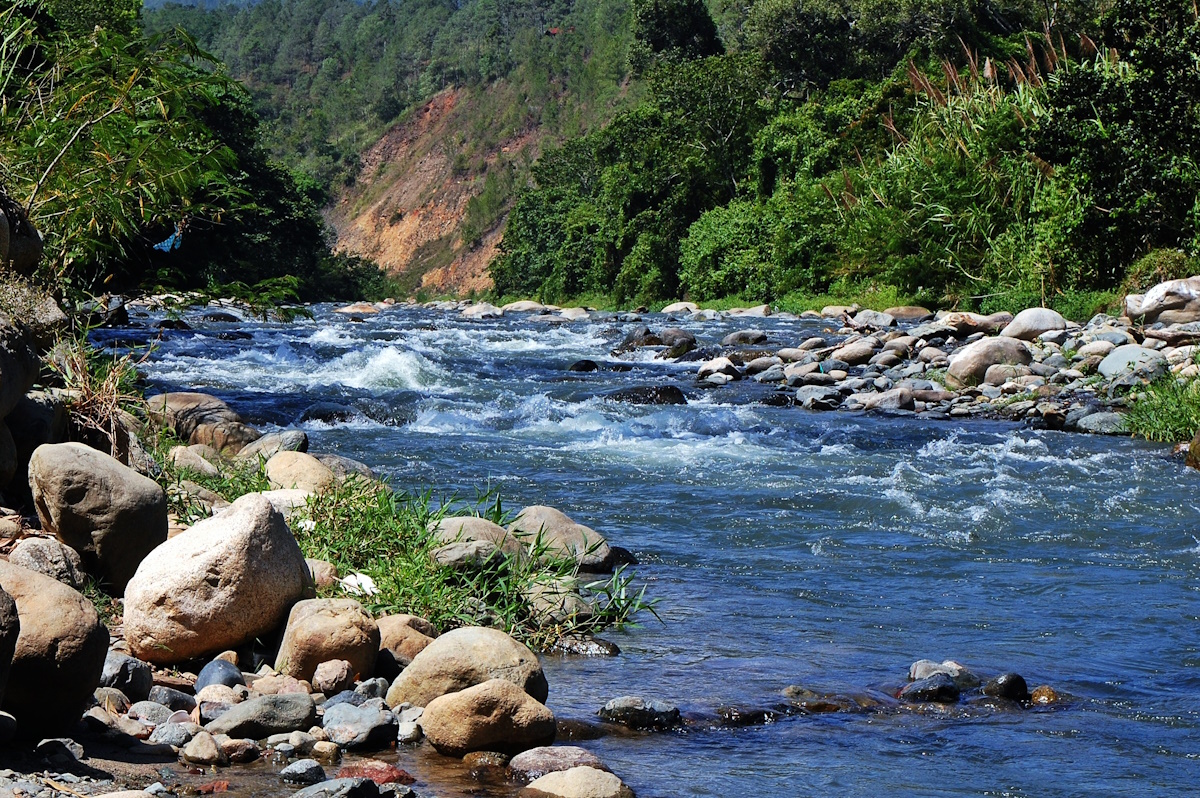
[1167, 410]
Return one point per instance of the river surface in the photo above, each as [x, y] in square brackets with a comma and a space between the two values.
[786, 547]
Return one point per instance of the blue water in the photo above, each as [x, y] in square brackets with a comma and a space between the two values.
[788, 547]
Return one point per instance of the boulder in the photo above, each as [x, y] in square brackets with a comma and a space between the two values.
[186, 458]
[10, 633]
[909, 313]
[230, 579]
[59, 652]
[8, 456]
[1133, 359]
[1175, 295]
[1007, 685]
[38, 418]
[319, 630]
[204, 750]
[467, 555]
[524, 306]
[578, 782]
[496, 715]
[874, 319]
[324, 574]
[299, 471]
[344, 468]
[219, 672]
[1032, 322]
[969, 365]
[401, 638]
[261, 717]
[562, 538]
[52, 558]
[938, 688]
[333, 676]
[681, 307]
[638, 713]
[537, 762]
[358, 309]
[266, 447]
[227, 437]
[463, 658]
[718, 365]
[855, 353]
[456, 529]
[183, 411]
[744, 338]
[482, 310]
[964, 324]
[895, 399]
[18, 364]
[109, 513]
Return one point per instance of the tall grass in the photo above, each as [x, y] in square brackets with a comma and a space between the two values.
[1167, 410]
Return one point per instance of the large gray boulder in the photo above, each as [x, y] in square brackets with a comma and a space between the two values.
[563, 538]
[969, 365]
[493, 716]
[1133, 359]
[109, 513]
[463, 658]
[222, 583]
[259, 718]
[59, 653]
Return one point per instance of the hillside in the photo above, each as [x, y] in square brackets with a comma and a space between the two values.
[419, 120]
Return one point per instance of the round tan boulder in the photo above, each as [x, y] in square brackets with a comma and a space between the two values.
[470, 528]
[1032, 322]
[227, 437]
[563, 538]
[493, 716]
[969, 365]
[229, 579]
[319, 630]
[856, 353]
[463, 658]
[59, 653]
[299, 471]
[109, 513]
[579, 782]
[405, 641]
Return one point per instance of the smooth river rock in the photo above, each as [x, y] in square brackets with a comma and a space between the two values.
[578, 782]
[563, 538]
[319, 630]
[466, 657]
[969, 365]
[109, 513]
[52, 558]
[258, 718]
[226, 581]
[496, 715]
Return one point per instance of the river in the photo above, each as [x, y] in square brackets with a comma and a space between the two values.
[785, 547]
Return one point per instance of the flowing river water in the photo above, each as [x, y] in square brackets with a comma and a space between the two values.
[785, 547]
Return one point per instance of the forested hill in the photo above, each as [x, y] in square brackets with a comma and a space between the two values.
[419, 118]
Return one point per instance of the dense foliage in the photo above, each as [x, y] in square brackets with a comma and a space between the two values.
[111, 141]
[984, 154]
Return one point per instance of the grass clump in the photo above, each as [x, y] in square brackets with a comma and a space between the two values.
[362, 526]
[1167, 410]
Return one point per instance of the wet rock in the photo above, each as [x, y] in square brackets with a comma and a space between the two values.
[579, 782]
[326, 751]
[219, 671]
[1007, 685]
[270, 714]
[128, 674]
[319, 630]
[1106, 423]
[52, 558]
[855, 353]
[482, 310]
[59, 652]
[241, 751]
[648, 395]
[818, 397]
[340, 788]
[585, 646]
[537, 762]
[496, 715]
[638, 713]
[969, 365]
[299, 471]
[465, 657]
[230, 579]
[744, 338]
[718, 365]
[1043, 695]
[376, 771]
[583, 366]
[360, 726]
[937, 689]
[738, 717]
[924, 668]
[303, 771]
[563, 538]
[109, 513]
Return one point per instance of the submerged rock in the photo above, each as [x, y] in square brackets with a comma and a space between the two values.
[638, 713]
